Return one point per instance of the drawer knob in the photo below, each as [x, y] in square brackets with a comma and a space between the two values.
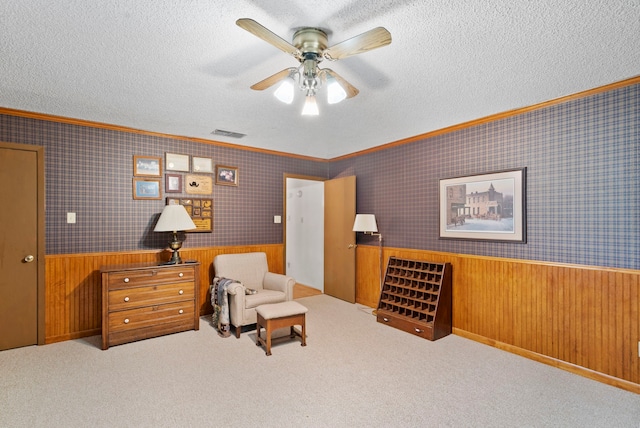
[180, 311]
[180, 274]
[385, 319]
[126, 299]
[418, 330]
[126, 280]
[126, 320]
[181, 292]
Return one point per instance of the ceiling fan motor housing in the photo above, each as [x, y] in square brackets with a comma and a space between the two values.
[310, 40]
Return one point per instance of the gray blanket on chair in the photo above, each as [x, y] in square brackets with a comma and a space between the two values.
[220, 303]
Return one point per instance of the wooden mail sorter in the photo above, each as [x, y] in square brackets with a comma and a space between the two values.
[416, 297]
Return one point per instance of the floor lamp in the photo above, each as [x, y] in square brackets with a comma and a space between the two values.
[366, 223]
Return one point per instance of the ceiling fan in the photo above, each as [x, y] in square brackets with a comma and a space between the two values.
[310, 46]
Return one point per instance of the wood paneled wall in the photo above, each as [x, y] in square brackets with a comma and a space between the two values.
[73, 293]
[579, 318]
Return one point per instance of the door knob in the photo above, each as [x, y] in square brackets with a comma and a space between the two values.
[350, 246]
[29, 259]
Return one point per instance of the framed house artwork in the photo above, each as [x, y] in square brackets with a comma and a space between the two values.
[486, 207]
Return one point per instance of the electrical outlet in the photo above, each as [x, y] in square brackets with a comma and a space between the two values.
[71, 218]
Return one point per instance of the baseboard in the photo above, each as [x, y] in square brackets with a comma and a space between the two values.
[573, 368]
[72, 336]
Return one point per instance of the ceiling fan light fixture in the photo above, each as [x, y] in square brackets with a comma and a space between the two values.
[285, 91]
[335, 92]
[310, 106]
[310, 47]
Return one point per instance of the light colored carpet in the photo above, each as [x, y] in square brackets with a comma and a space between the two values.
[354, 372]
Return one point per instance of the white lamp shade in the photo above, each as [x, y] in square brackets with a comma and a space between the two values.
[174, 218]
[365, 223]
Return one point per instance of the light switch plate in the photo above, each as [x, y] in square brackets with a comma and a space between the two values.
[277, 219]
[71, 218]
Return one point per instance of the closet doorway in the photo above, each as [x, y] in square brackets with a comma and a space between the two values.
[22, 255]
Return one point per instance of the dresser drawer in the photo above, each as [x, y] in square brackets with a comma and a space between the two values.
[127, 298]
[135, 278]
[152, 316]
[422, 329]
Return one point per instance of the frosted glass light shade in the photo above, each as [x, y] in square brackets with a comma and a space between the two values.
[335, 92]
[310, 106]
[174, 218]
[365, 223]
[285, 91]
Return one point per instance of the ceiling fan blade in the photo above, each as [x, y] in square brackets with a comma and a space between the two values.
[272, 80]
[372, 39]
[260, 31]
[351, 90]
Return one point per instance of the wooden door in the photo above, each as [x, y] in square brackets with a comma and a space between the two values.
[339, 238]
[21, 245]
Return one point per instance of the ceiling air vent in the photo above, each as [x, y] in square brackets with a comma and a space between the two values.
[228, 133]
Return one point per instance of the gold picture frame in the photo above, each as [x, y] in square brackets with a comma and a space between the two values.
[226, 175]
[146, 188]
[147, 166]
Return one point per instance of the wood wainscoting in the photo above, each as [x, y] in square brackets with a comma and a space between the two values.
[73, 299]
[579, 318]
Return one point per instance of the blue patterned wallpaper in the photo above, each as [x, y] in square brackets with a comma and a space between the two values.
[89, 171]
[583, 181]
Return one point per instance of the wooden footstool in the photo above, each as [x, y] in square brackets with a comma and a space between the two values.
[279, 315]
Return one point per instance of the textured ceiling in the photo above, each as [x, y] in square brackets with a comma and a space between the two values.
[184, 68]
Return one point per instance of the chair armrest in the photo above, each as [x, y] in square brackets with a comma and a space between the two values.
[235, 288]
[279, 282]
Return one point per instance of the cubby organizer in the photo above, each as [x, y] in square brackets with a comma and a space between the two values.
[416, 297]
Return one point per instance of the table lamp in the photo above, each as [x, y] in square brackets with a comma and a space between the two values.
[174, 218]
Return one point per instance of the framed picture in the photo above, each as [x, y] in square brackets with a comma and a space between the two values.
[197, 184]
[173, 183]
[147, 166]
[176, 162]
[201, 165]
[226, 175]
[489, 207]
[146, 188]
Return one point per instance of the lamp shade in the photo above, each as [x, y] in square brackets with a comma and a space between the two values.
[174, 218]
[365, 223]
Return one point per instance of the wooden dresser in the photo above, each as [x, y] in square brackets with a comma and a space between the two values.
[416, 297]
[146, 300]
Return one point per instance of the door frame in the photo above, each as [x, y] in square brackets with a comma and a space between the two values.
[40, 258]
[284, 209]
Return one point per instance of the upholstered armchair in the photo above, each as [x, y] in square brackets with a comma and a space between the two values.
[251, 272]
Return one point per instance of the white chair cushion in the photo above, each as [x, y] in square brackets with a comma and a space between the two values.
[263, 296]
